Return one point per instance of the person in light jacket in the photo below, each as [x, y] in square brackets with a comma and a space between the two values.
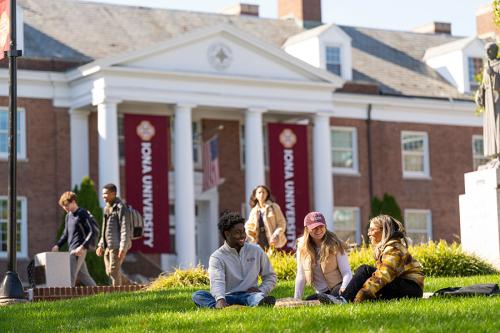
[321, 259]
[266, 225]
[234, 270]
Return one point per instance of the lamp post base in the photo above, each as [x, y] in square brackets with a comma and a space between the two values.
[12, 288]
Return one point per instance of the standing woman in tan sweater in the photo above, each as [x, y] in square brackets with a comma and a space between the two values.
[266, 224]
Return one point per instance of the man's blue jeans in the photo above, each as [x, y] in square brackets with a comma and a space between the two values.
[204, 299]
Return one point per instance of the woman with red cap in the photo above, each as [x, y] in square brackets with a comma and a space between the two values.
[321, 259]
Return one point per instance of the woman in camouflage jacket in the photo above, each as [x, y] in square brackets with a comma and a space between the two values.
[396, 275]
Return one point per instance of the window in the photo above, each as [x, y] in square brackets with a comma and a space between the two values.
[22, 228]
[478, 151]
[197, 138]
[4, 134]
[475, 66]
[344, 149]
[121, 138]
[418, 225]
[333, 63]
[346, 224]
[242, 145]
[415, 154]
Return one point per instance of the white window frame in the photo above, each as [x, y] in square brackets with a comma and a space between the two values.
[21, 155]
[355, 163]
[428, 213]
[357, 215]
[23, 254]
[416, 174]
[477, 159]
[472, 82]
[341, 57]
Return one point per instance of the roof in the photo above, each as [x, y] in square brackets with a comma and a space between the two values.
[72, 30]
[393, 60]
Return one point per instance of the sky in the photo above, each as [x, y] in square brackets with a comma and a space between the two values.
[385, 14]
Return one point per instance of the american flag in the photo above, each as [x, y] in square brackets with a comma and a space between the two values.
[211, 163]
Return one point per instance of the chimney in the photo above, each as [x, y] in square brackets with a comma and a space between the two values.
[306, 12]
[485, 22]
[434, 28]
[240, 9]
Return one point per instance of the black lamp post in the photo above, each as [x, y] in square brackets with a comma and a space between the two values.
[11, 286]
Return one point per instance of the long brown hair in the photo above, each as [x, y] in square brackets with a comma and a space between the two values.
[330, 244]
[391, 229]
[253, 200]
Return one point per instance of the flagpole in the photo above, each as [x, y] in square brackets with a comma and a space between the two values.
[12, 288]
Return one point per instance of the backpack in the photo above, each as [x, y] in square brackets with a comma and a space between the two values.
[94, 239]
[485, 289]
[135, 222]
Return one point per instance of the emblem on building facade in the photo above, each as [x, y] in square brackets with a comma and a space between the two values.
[219, 56]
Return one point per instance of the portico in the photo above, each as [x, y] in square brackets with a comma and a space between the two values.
[215, 73]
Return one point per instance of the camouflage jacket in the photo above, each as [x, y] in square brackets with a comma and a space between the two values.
[394, 261]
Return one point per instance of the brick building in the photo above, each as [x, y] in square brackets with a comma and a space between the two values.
[385, 112]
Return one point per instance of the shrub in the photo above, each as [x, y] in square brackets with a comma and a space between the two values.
[442, 259]
[284, 265]
[437, 259]
[193, 277]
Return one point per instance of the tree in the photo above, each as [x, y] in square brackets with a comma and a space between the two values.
[387, 205]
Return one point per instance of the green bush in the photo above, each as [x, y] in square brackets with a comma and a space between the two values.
[284, 265]
[442, 259]
[193, 277]
[437, 259]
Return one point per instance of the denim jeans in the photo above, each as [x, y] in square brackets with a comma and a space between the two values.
[204, 299]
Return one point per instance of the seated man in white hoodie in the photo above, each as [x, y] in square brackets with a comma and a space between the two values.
[234, 270]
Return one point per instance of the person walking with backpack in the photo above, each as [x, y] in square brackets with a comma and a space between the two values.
[115, 237]
[78, 233]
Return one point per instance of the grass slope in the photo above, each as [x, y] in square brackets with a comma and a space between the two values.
[173, 311]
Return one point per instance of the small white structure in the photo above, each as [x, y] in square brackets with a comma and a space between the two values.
[480, 214]
[57, 268]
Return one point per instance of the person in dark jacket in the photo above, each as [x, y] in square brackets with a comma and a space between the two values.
[115, 237]
[396, 275]
[77, 233]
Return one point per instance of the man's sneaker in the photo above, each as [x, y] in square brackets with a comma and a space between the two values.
[267, 301]
[330, 299]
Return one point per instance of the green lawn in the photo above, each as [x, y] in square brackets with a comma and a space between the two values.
[172, 310]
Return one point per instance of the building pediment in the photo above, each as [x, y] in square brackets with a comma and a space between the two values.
[222, 51]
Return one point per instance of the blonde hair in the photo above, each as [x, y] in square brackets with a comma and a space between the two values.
[391, 229]
[66, 198]
[330, 244]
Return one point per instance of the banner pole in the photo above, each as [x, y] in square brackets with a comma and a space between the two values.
[12, 288]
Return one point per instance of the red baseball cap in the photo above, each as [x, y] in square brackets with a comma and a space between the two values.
[313, 220]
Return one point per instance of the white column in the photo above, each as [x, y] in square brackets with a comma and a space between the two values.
[254, 150]
[79, 132]
[185, 232]
[107, 127]
[322, 167]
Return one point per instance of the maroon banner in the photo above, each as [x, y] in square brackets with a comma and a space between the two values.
[289, 174]
[146, 172]
[4, 27]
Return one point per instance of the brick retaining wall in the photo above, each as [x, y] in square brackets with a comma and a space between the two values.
[59, 293]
